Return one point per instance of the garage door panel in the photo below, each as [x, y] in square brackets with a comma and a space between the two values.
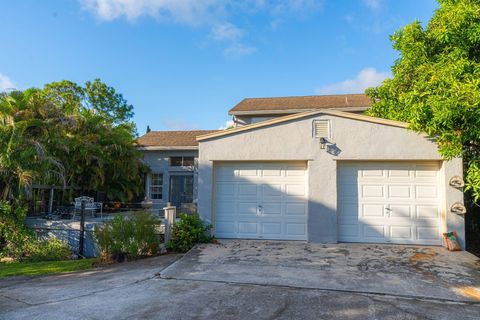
[296, 209]
[225, 227]
[428, 233]
[374, 232]
[272, 229]
[245, 208]
[397, 202]
[371, 210]
[426, 191]
[427, 212]
[226, 208]
[373, 191]
[373, 173]
[348, 191]
[400, 211]
[400, 192]
[225, 189]
[272, 190]
[401, 233]
[247, 190]
[297, 190]
[270, 209]
[248, 227]
[401, 173]
[296, 229]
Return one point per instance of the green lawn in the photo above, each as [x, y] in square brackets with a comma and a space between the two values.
[45, 267]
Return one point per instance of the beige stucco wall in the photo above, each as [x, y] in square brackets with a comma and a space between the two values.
[293, 140]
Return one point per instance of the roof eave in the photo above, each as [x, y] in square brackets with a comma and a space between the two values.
[232, 112]
[338, 113]
[166, 148]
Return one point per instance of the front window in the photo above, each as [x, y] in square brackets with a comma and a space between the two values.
[156, 186]
[182, 161]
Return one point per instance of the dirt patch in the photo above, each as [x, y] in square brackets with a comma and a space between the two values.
[470, 292]
[422, 257]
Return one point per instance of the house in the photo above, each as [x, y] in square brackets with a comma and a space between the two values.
[317, 169]
[172, 157]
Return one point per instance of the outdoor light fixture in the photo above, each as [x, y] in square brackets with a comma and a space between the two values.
[323, 142]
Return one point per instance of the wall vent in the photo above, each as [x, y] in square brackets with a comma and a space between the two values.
[321, 128]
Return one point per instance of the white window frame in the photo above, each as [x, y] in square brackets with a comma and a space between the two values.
[153, 195]
[183, 161]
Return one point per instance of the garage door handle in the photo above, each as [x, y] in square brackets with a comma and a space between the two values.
[259, 210]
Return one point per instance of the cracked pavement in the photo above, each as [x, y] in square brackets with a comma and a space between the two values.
[261, 280]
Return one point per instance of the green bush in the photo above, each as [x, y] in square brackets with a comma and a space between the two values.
[20, 243]
[51, 249]
[189, 231]
[14, 234]
[128, 237]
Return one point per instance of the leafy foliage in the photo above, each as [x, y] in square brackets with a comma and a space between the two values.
[189, 231]
[19, 242]
[129, 237]
[70, 135]
[436, 83]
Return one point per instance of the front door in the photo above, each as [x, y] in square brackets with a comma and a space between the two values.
[181, 189]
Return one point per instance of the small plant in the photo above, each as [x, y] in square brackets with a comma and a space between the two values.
[189, 231]
[128, 237]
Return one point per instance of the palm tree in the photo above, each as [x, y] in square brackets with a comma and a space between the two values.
[25, 122]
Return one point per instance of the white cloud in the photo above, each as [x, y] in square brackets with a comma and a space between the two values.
[226, 125]
[373, 4]
[213, 14]
[192, 12]
[226, 31]
[368, 77]
[6, 83]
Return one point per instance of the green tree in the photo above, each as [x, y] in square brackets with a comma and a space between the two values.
[27, 123]
[436, 83]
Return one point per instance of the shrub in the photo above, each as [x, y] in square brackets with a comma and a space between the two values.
[128, 237]
[14, 235]
[51, 249]
[189, 231]
[20, 243]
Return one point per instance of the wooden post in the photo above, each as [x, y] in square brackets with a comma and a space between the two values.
[170, 217]
[82, 229]
[50, 201]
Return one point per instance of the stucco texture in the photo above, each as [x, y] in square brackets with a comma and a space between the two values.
[350, 140]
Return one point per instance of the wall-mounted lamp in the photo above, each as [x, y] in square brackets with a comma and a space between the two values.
[323, 142]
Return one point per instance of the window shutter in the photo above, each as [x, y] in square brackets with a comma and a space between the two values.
[321, 128]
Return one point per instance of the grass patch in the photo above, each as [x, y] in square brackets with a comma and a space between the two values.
[44, 267]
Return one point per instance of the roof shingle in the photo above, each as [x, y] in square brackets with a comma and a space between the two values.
[302, 103]
[171, 138]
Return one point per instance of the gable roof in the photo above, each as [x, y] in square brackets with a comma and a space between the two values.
[346, 102]
[171, 140]
[337, 113]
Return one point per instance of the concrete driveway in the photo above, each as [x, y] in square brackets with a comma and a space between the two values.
[260, 279]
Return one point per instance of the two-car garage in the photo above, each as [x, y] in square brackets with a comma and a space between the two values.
[368, 181]
[380, 202]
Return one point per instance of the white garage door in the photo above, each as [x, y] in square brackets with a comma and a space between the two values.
[261, 200]
[389, 202]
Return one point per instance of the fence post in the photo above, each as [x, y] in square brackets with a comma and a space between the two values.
[82, 229]
[170, 216]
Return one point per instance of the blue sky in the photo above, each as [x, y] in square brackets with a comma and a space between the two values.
[184, 63]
